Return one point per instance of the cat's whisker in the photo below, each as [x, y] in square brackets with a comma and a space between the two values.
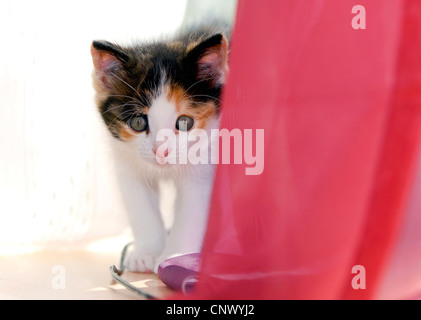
[148, 180]
[131, 87]
[123, 96]
[120, 115]
[199, 81]
[205, 96]
[120, 106]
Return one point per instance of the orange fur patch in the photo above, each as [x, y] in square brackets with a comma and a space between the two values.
[126, 134]
[202, 113]
[178, 96]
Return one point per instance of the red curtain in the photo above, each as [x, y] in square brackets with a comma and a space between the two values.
[341, 113]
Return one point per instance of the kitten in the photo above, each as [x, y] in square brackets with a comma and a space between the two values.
[174, 84]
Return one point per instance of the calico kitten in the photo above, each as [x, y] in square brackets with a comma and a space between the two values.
[174, 84]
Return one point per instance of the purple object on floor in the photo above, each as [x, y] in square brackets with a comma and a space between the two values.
[180, 273]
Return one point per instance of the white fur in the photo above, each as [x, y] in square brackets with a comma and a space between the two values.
[140, 175]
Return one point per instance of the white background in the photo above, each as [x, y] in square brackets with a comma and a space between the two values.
[57, 186]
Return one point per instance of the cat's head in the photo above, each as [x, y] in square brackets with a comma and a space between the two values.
[172, 87]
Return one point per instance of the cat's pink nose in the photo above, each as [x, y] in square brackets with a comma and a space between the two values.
[160, 153]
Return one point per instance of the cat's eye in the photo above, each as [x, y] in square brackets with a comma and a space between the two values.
[184, 123]
[138, 124]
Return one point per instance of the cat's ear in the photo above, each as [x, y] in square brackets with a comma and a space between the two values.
[210, 58]
[107, 59]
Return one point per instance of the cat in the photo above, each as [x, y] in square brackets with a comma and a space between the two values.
[141, 89]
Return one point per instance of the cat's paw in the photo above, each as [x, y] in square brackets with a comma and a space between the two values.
[140, 261]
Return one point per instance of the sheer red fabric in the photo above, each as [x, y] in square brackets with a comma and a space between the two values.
[341, 113]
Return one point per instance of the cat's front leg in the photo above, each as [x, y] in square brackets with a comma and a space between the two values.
[148, 230]
[192, 206]
[141, 200]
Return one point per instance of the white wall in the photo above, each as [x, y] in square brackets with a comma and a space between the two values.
[57, 186]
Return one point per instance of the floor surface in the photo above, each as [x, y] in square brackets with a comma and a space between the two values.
[70, 275]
